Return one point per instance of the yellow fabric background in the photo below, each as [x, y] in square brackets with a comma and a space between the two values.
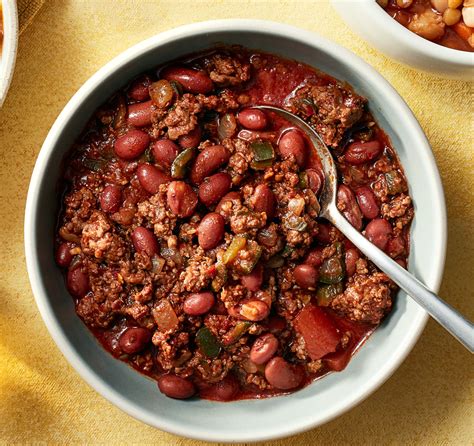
[428, 401]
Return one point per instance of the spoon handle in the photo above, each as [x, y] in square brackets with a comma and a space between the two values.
[444, 314]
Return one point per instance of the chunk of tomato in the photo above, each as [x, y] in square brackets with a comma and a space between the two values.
[319, 332]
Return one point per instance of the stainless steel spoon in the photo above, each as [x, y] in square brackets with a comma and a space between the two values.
[444, 314]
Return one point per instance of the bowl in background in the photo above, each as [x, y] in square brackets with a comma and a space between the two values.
[9, 46]
[374, 25]
[247, 420]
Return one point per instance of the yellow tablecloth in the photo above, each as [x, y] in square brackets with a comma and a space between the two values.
[428, 401]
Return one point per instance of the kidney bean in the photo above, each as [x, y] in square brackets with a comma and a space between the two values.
[315, 179]
[282, 375]
[213, 188]
[151, 178]
[211, 230]
[363, 152]
[292, 143]
[78, 282]
[254, 310]
[192, 80]
[139, 114]
[347, 204]
[367, 202]
[315, 257]
[132, 144]
[396, 246]
[198, 303]
[111, 199]
[263, 348]
[231, 197]
[306, 276]
[208, 160]
[402, 263]
[192, 139]
[176, 387]
[134, 339]
[63, 255]
[145, 241]
[378, 232]
[351, 256]
[263, 200]
[181, 198]
[324, 233]
[138, 91]
[164, 152]
[253, 119]
[253, 281]
[224, 390]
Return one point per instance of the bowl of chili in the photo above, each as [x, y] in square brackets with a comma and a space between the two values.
[164, 406]
[424, 34]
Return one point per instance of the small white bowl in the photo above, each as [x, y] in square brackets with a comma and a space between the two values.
[9, 47]
[248, 420]
[374, 25]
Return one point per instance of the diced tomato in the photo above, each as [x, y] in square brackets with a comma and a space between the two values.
[338, 361]
[318, 330]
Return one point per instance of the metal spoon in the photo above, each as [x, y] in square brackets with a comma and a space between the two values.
[444, 314]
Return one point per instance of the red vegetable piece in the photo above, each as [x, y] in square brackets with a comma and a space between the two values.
[318, 330]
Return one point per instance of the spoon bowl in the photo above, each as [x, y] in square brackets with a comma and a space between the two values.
[444, 314]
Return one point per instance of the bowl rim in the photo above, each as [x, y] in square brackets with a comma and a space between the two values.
[9, 47]
[414, 41]
[354, 63]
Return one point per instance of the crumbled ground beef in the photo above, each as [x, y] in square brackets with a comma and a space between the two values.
[226, 70]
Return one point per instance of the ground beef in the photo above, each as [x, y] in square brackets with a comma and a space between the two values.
[226, 70]
[181, 119]
[366, 299]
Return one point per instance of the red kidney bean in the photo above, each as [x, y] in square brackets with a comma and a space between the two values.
[78, 282]
[198, 303]
[292, 143]
[324, 233]
[347, 204]
[263, 200]
[191, 80]
[351, 256]
[282, 375]
[306, 276]
[263, 348]
[396, 246]
[132, 144]
[111, 199]
[63, 255]
[253, 119]
[151, 178]
[192, 139]
[224, 390]
[139, 114]
[363, 152]
[145, 241]
[231, 197]
[181, 198]
[138, 91]
[213, 188]
[164, 152]
[209, 160]
[315, 257]
[211, 230]
[378, 232]
[402, 263]
[134, 339]
[315, 179]
[367, 202]
[176, 387]
[253, 281]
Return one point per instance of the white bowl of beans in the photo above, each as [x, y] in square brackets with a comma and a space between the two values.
[431, 35]
[237, 420]
[8, 45]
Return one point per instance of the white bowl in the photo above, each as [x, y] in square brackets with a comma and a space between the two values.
[374, 25]
[249, 420]
[10, 43]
